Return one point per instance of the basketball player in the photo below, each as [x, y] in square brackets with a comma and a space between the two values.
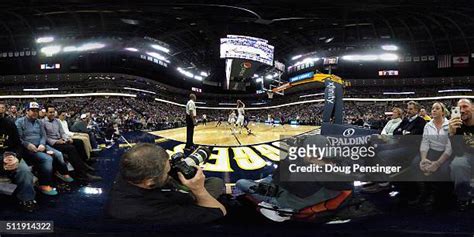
[270, 120]
[204, 119]
[232, 118]
[246, 125]
[219, 121]
[241, 117]
[282, 120]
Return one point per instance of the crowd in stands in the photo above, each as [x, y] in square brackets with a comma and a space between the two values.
[41, 138]
[135, 114]
[157, 115]
[121, 83]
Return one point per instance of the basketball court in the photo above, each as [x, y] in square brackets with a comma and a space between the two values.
[222, 135]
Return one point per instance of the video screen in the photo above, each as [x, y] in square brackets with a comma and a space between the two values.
[245, 47]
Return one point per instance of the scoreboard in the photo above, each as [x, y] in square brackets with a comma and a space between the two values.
[246, 47]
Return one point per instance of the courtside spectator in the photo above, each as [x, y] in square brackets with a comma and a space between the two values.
[42, 114]
[80, 126]
[390, 127]
[56, 138]
[461, 133]
[424, 115]
[37, 152]
[84, 137]
[386, 137]
[432, 163]
[13, 166]
[13, 113]
[403, 151]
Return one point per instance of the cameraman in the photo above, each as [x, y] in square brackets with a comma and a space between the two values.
[144, 191]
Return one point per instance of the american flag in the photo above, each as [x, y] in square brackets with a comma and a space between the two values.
[444, 61]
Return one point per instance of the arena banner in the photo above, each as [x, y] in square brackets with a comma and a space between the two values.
[333, 102]
[301, 77]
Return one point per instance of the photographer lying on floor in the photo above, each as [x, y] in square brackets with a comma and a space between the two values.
[144, 191]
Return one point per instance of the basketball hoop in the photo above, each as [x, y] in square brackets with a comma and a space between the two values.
[270, 94]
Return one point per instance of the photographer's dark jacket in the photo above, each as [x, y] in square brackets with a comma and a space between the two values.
[161, 206]
[9, 139]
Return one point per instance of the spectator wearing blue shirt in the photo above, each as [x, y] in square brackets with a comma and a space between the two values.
[33, 140]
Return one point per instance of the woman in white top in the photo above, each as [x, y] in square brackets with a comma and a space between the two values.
[386, 136]
[432, 164]
[394, 122]
[435, 148]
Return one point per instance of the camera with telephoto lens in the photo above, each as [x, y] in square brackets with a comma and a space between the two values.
[185, 165]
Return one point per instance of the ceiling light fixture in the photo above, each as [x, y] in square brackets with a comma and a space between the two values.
[388, 57]
[51, 50]
[369, 57]
[390, 47]
[296, 57]
[132, 49]
[69, 49]
[160, 48]
[46, 39]
[328, 40]
[158, 56]
[90, 46]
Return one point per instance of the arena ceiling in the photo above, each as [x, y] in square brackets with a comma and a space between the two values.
[193, 28]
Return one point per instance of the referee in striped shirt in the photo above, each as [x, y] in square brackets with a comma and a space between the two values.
[190, 120]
